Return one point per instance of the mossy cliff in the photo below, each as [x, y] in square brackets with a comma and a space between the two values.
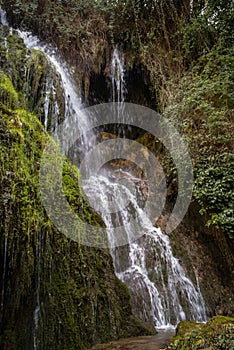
[55, 294]
[216, 334]
[35, 79]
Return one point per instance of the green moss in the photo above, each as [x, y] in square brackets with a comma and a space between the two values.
[8, 95]
[76, 197]
[216, 334]
[29, 72]
[13, 59]
[186, 327]
[35, 81]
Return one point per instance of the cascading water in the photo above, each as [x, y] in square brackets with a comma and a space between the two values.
[118, 87]
[117, 74]
[72, 100]
[161, 293]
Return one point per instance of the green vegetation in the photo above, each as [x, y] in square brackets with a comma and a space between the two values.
[202, 109]
[216, 334]
[29, 71]
[8, 95]
[201, 105]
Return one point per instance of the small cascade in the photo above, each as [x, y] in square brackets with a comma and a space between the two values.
[4, 21]
[117, 75]
[72, 114]
[118, 88]
[51, 106]
[46, 104]
[72, 100]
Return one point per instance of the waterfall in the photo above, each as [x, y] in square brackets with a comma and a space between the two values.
[156, 280]
[72, 100]
[117, 74]
[161, 292]
[118, 88]
[73, 105]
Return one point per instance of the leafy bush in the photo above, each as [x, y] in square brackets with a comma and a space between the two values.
[201, 107]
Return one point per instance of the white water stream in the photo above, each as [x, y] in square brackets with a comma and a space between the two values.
[117, 75]
[161, 291]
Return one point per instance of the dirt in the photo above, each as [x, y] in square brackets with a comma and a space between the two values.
[154, 342]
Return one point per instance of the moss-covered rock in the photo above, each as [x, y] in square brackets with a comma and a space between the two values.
[8, 95]
[71, 289]
[216, 334]
[37, 84]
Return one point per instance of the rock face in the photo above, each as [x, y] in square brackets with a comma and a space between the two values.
[55, 294]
